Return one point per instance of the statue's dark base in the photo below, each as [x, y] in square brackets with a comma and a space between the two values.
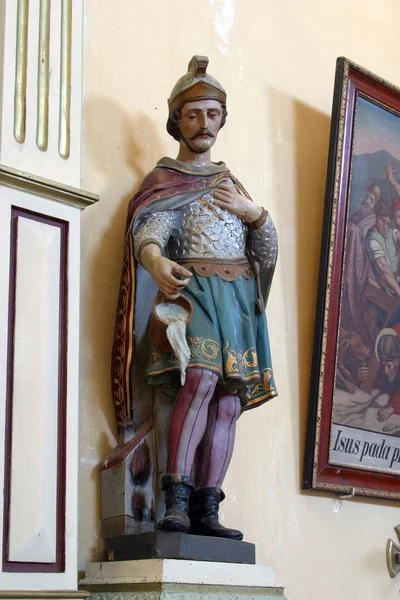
[161, 544]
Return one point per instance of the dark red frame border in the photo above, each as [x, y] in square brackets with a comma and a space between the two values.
[59, 565]
[317, 469]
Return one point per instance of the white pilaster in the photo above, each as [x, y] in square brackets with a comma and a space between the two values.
[42, 88]
[40, 203]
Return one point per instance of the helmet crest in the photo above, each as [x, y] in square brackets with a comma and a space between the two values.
[196, 84]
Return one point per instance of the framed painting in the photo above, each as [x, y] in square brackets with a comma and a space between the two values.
[353, 438]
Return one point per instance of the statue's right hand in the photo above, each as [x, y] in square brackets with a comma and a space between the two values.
[170, 277]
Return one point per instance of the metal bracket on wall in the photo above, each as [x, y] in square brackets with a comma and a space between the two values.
[393, 554]
[348, 496]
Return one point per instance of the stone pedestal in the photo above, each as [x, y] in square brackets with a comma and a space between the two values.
[180, 580]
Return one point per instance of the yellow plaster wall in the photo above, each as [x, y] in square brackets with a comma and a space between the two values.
[276, 59]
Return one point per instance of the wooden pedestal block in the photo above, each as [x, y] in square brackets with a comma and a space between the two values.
[166, 545]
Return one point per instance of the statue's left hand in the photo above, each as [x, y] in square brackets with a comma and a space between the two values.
[227, 196]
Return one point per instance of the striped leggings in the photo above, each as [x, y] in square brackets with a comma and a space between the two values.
[201, 429]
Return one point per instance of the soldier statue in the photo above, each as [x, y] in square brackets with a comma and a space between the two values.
[194, 232]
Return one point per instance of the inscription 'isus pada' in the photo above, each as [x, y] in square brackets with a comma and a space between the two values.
[383, 450]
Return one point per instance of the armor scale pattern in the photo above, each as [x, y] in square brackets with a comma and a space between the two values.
[262, 245]
[203, 230]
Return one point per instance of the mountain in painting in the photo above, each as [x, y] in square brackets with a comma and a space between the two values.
[371, 168]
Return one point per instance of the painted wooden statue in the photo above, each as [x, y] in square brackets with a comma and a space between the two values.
[194, 236]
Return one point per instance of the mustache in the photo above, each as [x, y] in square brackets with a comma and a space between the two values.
[202, 132]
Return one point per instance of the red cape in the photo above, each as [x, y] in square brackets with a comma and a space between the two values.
[160, 184]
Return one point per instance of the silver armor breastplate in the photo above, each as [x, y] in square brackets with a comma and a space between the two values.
[205, 230]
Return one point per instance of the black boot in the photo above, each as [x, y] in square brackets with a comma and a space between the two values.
[177, 490]
[203, 514]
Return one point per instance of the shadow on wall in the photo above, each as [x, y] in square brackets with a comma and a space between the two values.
[119, 147]
[299, 142]
[311, 156]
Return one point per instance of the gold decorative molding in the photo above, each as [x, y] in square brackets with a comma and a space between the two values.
[21, 63]
[45, 188]
[64, 132]
[42, 123]
[335, 201]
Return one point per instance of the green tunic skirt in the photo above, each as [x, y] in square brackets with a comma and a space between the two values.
[226, 336]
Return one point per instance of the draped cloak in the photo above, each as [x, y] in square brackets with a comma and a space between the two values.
[169, 186]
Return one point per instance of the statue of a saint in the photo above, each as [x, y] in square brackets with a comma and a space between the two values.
[193, 232]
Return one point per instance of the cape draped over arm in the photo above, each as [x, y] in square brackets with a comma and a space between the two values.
[162, 189]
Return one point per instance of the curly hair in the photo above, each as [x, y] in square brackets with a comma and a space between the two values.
[175, 117]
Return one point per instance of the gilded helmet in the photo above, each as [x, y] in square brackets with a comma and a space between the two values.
[196, 84]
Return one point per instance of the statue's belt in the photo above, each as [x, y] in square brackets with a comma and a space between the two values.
[227, 269]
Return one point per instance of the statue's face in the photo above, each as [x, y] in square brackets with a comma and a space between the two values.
[200, 123]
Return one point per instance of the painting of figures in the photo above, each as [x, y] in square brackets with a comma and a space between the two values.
[368, 363]
[355, 397]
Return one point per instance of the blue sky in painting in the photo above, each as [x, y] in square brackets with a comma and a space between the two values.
[376, 144]
[376, 129]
